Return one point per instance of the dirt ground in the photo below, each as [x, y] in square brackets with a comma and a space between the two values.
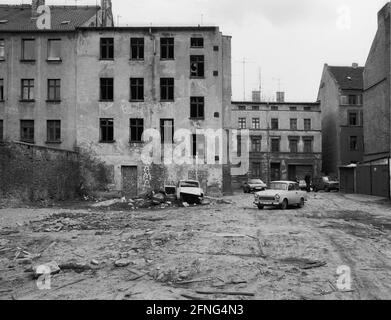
[201, 252]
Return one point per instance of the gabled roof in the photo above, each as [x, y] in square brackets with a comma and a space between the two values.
[18, 17]
[348, 78]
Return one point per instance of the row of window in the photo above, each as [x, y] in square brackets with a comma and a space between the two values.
[351, 99]
[167, 93]
[273, 108]
[255, 124]
[275, 144]
[167, 48]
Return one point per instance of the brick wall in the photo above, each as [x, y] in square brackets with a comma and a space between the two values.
[32, 173]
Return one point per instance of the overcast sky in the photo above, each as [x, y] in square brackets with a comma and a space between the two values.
[289, 40]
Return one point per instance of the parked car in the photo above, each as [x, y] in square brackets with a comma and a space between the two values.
[253, 185]
[303, 185]
[190, 191]
[281, 194]
[325, 183]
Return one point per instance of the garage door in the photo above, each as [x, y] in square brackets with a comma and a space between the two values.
[300, 172]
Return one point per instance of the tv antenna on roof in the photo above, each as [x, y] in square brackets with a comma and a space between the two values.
[244, 62]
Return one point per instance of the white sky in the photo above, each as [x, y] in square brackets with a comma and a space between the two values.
[289, 40]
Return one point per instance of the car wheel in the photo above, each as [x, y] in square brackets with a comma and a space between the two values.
[327, 189]
[260, 207]
[284, 204]
[301, 204]
[315, 189]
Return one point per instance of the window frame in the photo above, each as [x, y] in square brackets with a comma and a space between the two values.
[356, 114]
[55, 98]
[306, 127]
[162, 126]
[106, 88]
[294, 140]
[2, 49]
[30, 129]
[194, 45]
[199, 62]
[168, 48]
[137, 84]
[1, 130]
[2, 89]
[256, 147]
[274, 124]
[106, 126]
[138, 126]
[31, 90]
[350, 144]
[106, 48]
[53, 131]
[53, 59]
[137, 43]
[242, 123]
[293, 124]
[197, 108]
[308, 140]
[272, 145]
[256, 123]
[167, 89]
[23, 57]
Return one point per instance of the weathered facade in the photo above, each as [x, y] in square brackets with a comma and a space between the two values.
[83, 84]
[340, 97]
[126, 109]
[377, 110]
[284, 141]
[38, 72]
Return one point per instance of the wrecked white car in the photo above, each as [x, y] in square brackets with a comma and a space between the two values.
[190, 191]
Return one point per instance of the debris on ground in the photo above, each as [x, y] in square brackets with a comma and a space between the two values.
[304, 263]
[121, 263]
[50, 268]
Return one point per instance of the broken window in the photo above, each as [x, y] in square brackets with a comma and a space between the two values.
[54, 90]
[256, 144]
[2, 49]
[107, 130]
[27, 131]
[107, 48]
[242, 123]
[307, 125]
[353, 118]
[293, 145]
[1, 89]
[353, 143]
[197, 66]
[307, 108]
[308, 142]
[293, 124]
[242, 108]
[137, 48]
[137, 89]
[106, 89]
[167, 48]
[197, 42]
[167, 131]
[198, 146]
[274, 108]
[255, 108]
[167, 89]
[54, 49]
[274, 123]
[54, 131]
[1, 130]
[28, 49]
[275, 144]
[136, 130]
[27, 89]
[256, 123]
[197, 105]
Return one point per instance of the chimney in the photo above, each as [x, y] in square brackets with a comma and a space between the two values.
[34, 7]
[280, 96]
[256, 95]
[354, 65]
[106, 13]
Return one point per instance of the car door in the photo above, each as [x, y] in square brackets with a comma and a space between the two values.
[292, 196]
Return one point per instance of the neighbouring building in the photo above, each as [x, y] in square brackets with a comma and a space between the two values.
[38, 72]
[373, 175]
[83, 84]
[284, 141]
[341, 101]
[165, 78]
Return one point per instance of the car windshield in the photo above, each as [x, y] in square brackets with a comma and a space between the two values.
[255, 181]
[189, 184]
[278, 186]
